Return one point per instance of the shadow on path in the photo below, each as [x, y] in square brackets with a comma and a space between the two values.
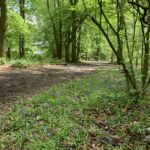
[16, 84]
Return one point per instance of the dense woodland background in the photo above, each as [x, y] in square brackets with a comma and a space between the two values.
[73, 31]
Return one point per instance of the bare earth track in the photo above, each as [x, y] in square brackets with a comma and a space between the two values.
[16, 84]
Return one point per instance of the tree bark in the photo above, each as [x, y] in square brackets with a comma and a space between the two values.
[112, 57]
[9, 53]
[3, 25]
[21, 36]
[78, 44]
[57, 28]
[74, 37]
[145, 67]
[120, 25]
[67, 46]
[74, 31]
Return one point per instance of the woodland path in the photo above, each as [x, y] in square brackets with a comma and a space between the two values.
[17, 84]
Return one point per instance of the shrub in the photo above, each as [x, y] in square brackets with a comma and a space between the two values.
[19, 64]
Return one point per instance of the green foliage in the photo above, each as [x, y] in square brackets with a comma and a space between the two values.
[75, 115]
[2, 61]
[33, 60]
[19, 63]
[16, 25]
[67, 117]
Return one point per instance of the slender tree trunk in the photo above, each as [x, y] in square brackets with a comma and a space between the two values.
[74, 31]
[59, 32]
[57, 28]
[67, 46]
[97, 39]
[120, 25]
[134, 33]
[125, 69]
[79, 43]
[21, 36]
[21, 46]
[145, 67]
[137, 57]
[9, 53]
[55, 51]
[3, 25]
[112, 57]
[67, 56]
[60, 41]
[74, 37]
[56, 42]
[120, 50]
[130, 55]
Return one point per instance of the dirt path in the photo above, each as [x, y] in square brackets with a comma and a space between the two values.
[16, 84]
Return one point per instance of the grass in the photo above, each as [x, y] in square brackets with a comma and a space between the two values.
[89, 113]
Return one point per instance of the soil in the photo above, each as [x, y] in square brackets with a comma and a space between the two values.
[18, 84]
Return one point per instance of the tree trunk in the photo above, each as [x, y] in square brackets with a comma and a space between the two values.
[74, 31]
[3, 25]
[21, 45]
[120, 51]
[145, 66]
[120, 26]
[9, 53]
[79, 44]
[74, 37]
[112, 57]
[59, 32]
[57, 28]
[125, 69]
[67, 46]
[21, 36]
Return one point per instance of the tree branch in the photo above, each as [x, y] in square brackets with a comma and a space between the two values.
[137, 4]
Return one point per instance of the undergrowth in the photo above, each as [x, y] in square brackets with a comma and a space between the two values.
[2, 61]
[24, 63]
[91, 113]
